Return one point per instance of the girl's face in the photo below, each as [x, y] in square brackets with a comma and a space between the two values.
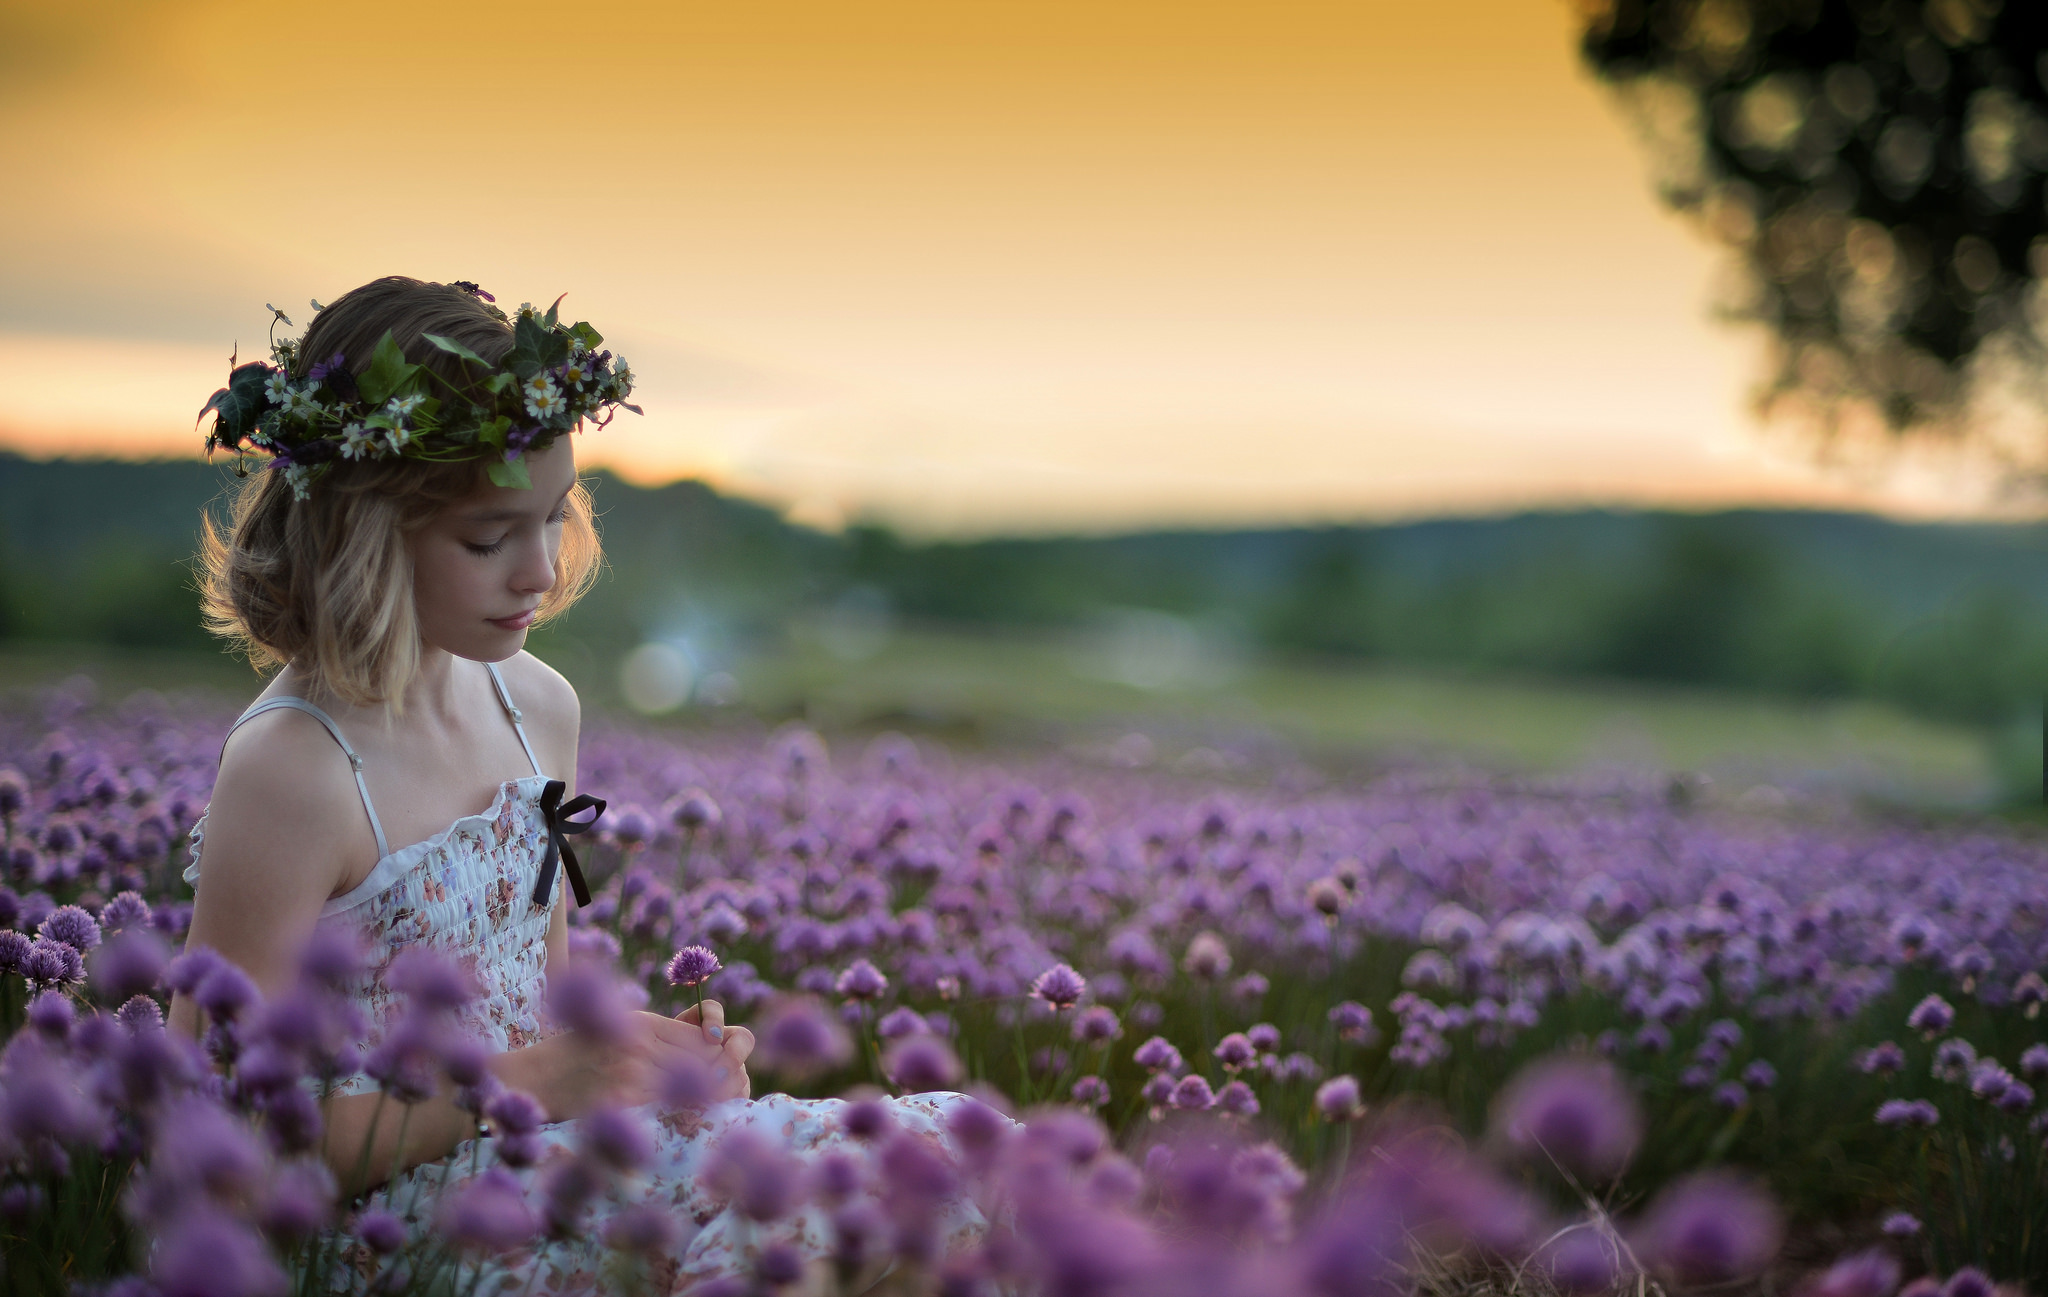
[480, 567]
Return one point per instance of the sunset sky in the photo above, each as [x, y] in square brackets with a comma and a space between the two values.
[965, 267]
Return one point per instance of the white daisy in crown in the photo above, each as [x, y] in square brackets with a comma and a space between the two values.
[356, 441]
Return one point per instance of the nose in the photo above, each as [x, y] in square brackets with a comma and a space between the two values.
[536, 571]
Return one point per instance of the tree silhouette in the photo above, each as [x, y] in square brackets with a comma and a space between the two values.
[1877, 167]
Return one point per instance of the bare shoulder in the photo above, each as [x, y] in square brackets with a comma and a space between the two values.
[285, 805]
[553, 713]
[286, 761]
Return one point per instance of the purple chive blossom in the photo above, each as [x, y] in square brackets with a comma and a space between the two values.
[643, 1229]
[225, 992]
[14, 947]
[431, 978]
[1575, 1111]
[1907, 1112]
[585, 998]
[72, 926]
[1760, 1075]
[1192, 1094]
[1730, 1094]
[1207, 958]
[1091, 1092]
[381, 1231]
[205, 1254]
[129, 965]
[921, 1064]
[1237, 1099]
[1885, 1057]
[2034, 1061]
[1235, 1051]
[1097, 1025]
[900, 1022]
[692, 965]
[2030, 992]
[616, 1139]
[297, 1203]
[52, 963]
[1709, 1228]
[861, 981]
[1157, 1055]
[1968, 1282]
[126, 910]
[140, 1012]
[1863, 1274]
[1931, 1016]
[50, 1013]
[796, 1036]
[488, 1213]
[757, 1175]
[1337, 1099]
[1059, 986]
[1264, 1036]
[1582, 1261]
[1900, 1224]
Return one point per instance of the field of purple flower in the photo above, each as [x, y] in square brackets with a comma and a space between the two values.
[1295, 1038]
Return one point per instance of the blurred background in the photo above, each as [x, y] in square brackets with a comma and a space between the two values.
[1540, 386]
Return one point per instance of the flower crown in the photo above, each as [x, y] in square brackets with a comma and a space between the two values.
[553, 377]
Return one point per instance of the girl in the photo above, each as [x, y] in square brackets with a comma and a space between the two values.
[395, 776]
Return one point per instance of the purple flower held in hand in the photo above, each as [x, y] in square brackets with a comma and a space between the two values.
[1337, 1099]
[1710, 1228]
[920, 1064]
[691, 966]
[862, 981]
[1574, 1110]
[1060, 986]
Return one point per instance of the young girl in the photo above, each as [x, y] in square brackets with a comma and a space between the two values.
[422, 513]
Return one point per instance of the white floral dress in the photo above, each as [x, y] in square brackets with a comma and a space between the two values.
[466, 893]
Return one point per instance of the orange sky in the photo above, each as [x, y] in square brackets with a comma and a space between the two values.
[967, 266]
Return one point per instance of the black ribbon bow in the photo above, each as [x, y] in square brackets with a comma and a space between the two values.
[560, 829]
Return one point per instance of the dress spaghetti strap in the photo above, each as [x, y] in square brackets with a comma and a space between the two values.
[355, 762]
[517, 716]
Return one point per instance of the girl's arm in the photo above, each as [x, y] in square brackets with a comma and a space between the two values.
[283, 823]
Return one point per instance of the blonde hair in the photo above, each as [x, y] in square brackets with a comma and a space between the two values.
[326, 584]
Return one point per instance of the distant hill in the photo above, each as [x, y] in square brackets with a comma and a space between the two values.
[1950, 620]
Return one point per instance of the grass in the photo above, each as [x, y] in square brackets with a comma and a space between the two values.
[998, 690]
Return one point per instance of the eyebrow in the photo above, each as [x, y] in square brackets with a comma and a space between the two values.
[506, 515]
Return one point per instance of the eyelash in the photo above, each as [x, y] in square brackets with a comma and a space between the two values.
[485, 551]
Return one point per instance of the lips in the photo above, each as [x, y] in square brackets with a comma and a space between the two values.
[520, 622]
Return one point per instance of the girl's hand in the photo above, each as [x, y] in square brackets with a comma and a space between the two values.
[736, 1044]
[573, 1072]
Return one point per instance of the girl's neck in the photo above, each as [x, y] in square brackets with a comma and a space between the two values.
[435, 694]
